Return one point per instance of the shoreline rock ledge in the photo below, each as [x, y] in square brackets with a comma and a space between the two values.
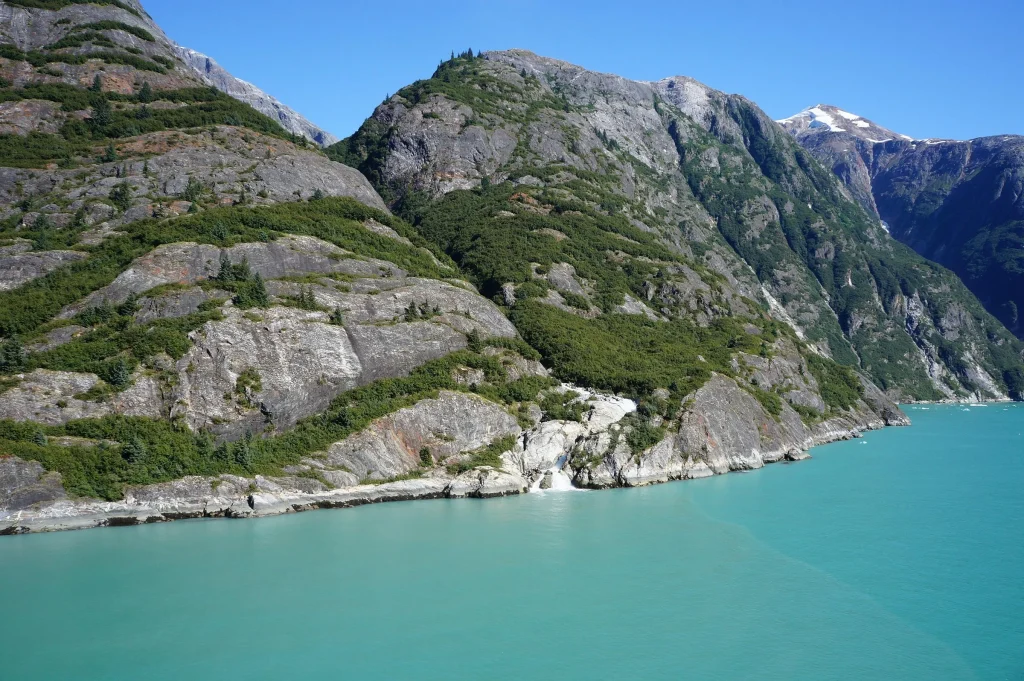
[711, 440]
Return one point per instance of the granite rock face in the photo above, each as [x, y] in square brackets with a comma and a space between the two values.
[19, 264]
[24, 484]
[292, 362]
[56, 397]
[189, 263]
[34, 29]
[445, 427]
[229, 163]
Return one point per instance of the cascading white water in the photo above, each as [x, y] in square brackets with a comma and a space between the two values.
[560, 482]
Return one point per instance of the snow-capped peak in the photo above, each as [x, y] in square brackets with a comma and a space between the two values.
[816, 117]
[828, 118]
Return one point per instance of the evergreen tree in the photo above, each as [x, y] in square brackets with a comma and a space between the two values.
[223, 453]
[78, 222]
[204, 445]
[258, 292]
[129, 307]
[317, 195]
[225, 272]
[12, 356]
[110, 155]
[121, 196]
[193, 190]
[133, 451]
[119, 374]
[39, 438]
[307, 301]
[242, 271]
[146, 93]
[97, 84]
[336, 317]
[251, 292]
[101, 113]
[243, 452]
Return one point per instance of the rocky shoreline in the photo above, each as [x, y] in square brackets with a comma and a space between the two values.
[709, 442]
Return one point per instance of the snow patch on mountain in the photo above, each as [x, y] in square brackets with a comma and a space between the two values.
[818, 118]
[827, 118]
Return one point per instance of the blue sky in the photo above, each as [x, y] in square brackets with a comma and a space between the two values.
[925, 68]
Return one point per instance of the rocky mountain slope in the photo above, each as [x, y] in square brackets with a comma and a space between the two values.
[704, 174]
[958, 203]
[126, 33]
[214, 74]
[202, 315]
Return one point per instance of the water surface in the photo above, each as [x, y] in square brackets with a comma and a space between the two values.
[897, 556]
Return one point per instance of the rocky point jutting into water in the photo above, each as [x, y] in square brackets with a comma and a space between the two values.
[538, 277]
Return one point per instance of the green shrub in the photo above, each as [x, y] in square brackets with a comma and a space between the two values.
[839, 386]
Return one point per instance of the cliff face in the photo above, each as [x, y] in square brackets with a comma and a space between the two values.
[958, 203]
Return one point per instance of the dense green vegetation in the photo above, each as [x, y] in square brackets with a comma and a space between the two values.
[822, 233]
[40, 59]
[630, 354]
[116, 345]
[496, 249]
[839, 386]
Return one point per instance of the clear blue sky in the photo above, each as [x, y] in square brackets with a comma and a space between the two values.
[925, 68]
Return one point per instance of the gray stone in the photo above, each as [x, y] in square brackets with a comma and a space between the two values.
[448, 426]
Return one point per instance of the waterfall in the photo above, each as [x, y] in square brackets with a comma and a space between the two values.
[557, 480]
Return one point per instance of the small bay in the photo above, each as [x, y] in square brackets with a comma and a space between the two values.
[897, 556]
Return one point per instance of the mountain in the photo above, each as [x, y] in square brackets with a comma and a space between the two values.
[33, 32]
[959, 203]
[706, 174]
[214, 74]
[589, 280]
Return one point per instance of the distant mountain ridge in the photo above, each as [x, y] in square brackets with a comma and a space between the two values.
[213, 73]
[960, 203]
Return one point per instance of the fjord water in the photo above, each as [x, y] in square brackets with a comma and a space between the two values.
[897, 556]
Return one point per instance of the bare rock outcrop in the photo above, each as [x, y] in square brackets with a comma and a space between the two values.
[445, 427]
[19, 264]
[56, 397]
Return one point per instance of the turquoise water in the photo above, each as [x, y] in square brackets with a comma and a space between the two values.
[897, 556]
